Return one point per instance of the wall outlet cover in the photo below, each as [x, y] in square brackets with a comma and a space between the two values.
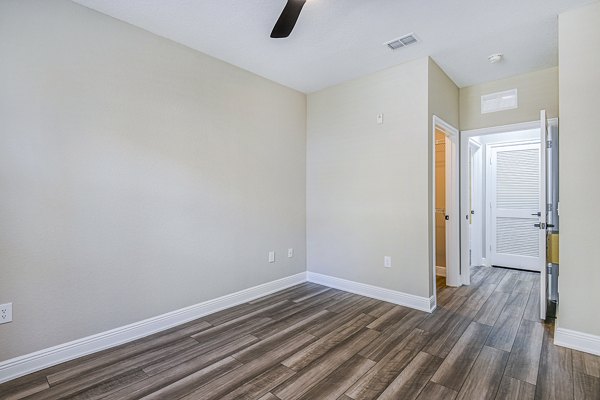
[290, 253]
[271, 256]
[5, 313]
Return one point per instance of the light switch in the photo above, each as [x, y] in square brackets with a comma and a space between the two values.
[271, 256]
[380, 119]
[290, 253]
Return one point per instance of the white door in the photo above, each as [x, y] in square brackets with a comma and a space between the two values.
[517, 186]
[542, 216]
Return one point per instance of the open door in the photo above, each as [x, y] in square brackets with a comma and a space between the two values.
[543, 216]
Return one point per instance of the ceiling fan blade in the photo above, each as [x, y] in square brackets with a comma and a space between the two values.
[287, 19]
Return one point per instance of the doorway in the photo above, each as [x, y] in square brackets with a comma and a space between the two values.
[445, 252]
[505, 205]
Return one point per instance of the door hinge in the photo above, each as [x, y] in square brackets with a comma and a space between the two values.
[549, 269]
[549, 207]
[548, 144]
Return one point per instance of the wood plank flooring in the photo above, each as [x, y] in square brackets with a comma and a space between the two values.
[310, 342]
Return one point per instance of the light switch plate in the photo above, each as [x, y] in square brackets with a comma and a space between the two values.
[271, 256]
[290, 253]
[387, 262]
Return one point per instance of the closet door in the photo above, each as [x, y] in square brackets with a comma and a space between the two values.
[516, 185]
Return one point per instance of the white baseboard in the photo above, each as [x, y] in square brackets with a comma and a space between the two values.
[577, 340]
[420, 303]
[23, 365]
[440, 271]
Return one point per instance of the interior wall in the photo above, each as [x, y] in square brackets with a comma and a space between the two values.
[362, 204]
[137, 176]
[536, 91]
[579, 61]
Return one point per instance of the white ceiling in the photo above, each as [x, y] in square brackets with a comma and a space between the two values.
[338, 40]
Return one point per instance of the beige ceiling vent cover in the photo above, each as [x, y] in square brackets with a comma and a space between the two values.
[403, 41]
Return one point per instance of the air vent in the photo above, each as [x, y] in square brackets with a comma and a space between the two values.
[499, 101]
[403, 41]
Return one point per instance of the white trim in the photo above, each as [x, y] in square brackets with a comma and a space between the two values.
[453, 275]
[474, 161]
[577, 340]
[440, 271]
[23, 365]
[522, 126]
[484, 262]
[392, 296]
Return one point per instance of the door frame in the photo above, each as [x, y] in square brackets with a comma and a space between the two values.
[464, 178]
[452, 204]
[475, 161]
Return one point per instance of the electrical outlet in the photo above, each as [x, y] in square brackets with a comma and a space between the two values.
[387, 262]
[5, 313]
[290, 253]
[271, 256]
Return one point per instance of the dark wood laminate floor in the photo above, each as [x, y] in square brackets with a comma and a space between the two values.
[311, 342]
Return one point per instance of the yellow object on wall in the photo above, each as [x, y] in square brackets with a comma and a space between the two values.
[552, 248]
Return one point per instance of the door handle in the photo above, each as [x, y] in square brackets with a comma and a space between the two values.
[447, 217]
[540, 225]
[539, 214]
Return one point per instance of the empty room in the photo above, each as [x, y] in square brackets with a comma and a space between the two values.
[299, 199]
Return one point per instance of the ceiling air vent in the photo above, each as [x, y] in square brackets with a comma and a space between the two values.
[403, 41]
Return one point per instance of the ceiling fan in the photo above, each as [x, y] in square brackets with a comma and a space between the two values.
[287, 20]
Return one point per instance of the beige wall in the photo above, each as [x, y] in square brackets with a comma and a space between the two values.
[443, 96]
[537, 91]
[137, 176]
[579, 61]
[367, 184]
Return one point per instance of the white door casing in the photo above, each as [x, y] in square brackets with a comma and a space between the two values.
[475, 215]
[453, 275]
[542, 236]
